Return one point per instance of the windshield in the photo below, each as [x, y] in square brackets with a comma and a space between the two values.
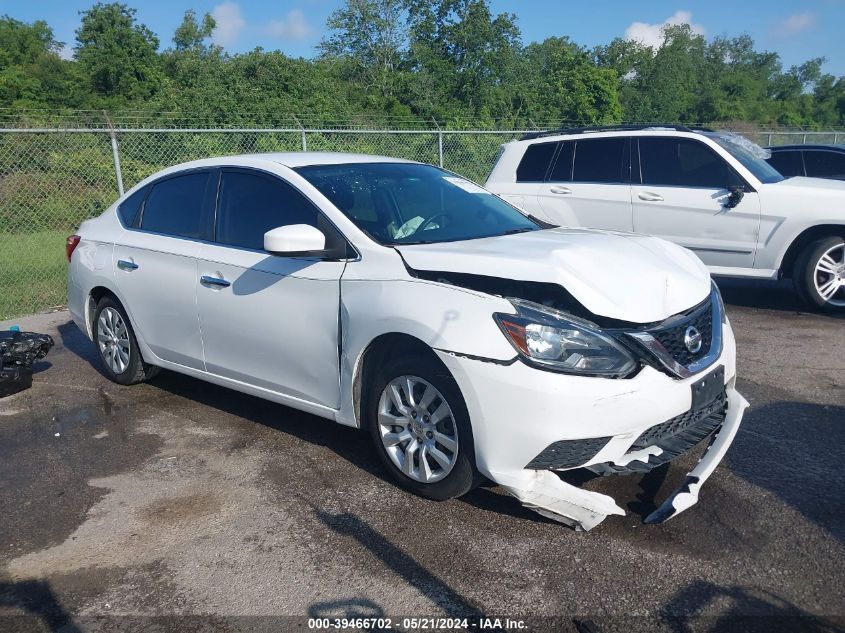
[408, 203]
[750, 155]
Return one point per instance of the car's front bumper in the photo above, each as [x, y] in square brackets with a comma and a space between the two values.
[518, 412]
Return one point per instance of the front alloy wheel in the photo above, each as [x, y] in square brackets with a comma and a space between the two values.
[417, 429]
[829, 275]
[819, 274]
[420, 427]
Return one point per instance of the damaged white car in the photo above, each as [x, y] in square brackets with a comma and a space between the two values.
[469, 339]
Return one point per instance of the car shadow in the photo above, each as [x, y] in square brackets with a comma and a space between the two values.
[38, 608]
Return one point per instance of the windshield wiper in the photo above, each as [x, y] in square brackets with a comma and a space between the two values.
[525, 229]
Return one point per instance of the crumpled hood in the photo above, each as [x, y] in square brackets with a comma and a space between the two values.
[622, 276]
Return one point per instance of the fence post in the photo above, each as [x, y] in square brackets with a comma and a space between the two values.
[115, 154]
[769, 139]
[302, 134]
[440, 147]
[804, 139]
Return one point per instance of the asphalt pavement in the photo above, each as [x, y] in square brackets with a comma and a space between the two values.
[179, 505]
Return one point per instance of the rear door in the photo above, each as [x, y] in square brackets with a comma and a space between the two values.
[681, 197]
[156, 267]
[270, 321]
[788, 162]
[589, 184]
[823, 163]
[530, 175]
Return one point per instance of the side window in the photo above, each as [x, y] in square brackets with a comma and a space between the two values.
[600, 160]
[562, 169]
[129, 208]
[535, 162]
[824, 164]
[175, 206]
[252, 204]
[681, 162]
[787, 162]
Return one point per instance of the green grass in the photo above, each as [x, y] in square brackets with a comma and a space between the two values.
[33, 272]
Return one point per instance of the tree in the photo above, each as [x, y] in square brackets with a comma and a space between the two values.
[370, 36]
[119, 56]
[191, 35]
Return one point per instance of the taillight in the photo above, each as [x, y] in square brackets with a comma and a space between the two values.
[70, 244]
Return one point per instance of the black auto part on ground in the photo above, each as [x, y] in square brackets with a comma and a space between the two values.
[18, 352]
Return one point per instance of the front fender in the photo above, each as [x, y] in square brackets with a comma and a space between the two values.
[441, 316]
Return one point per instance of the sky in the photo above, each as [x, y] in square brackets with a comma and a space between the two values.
[798, 31]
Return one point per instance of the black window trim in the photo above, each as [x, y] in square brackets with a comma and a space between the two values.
[352, 253]
[747, 187]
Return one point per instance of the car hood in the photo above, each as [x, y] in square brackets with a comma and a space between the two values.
[622, 276]
[802, 185]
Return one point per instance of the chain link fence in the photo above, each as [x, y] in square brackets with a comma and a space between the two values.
[51, 179]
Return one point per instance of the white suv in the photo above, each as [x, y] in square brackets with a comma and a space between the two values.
[465, 337]
[708, 191]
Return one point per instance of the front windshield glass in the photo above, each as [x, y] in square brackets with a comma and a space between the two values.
[750, 155]
[407, 203]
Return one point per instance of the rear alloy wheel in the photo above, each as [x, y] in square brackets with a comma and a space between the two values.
[122, 362]
[820, 274]
[420, 427]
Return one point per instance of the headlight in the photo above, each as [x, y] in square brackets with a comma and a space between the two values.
[553, 340]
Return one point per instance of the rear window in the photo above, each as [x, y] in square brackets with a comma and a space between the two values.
[535, 162]
[175, 206]
[682, 162]
[824, 164]
[600, 160]
[562, 169]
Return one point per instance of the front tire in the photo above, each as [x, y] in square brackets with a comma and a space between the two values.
[116, 343]
[420, 427]
[819, 274]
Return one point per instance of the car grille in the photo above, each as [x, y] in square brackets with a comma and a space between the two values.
[672, 337]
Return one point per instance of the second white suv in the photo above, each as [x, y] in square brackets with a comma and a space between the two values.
[709, 191]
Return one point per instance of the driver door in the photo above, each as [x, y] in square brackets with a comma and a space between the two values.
[269, 321]
[680, 195]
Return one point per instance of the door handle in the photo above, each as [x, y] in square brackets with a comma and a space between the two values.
[125, 264]
[560, 189]
[214, 281]
[650, 197]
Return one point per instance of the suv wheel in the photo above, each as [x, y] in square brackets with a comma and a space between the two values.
[119, 353]
[420, 427]
[820, 274]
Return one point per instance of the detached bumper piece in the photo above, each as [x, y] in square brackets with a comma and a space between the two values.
[18, 351]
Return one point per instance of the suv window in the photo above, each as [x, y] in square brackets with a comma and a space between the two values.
[600, 160]
[681, 162]
[824, 164]
[252, 204]
[128, 209]
[562, 169]
[535, 162]
[175, 206]
[787, 162]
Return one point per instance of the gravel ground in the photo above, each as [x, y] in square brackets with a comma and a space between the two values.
[177, 505]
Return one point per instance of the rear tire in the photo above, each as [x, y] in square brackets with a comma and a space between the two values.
[432, 426]
[116, 343]
[819, 274]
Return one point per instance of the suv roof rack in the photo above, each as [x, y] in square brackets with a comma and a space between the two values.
[614, 128]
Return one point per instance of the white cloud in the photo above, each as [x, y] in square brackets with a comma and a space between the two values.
[795, 23]
[230, 23]
[66, 51]
[652, 34]
[293, 27]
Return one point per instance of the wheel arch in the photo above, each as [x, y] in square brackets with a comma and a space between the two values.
[95, 295]
[803, 239]
[373, 356]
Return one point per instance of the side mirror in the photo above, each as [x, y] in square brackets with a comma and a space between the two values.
[294, 239]
[735, 196]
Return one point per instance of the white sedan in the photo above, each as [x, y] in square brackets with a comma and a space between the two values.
[468, 339]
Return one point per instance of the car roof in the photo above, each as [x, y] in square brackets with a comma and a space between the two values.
[837, 147]
[301, 159]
